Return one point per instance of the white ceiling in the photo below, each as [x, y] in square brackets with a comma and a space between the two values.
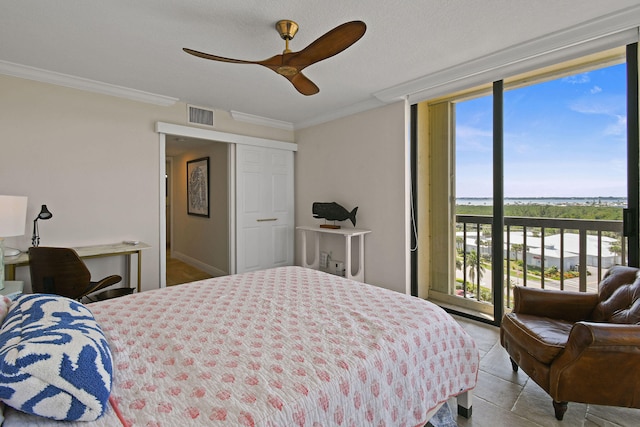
[138, 45]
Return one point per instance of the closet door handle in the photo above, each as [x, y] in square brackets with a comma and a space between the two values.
[266, 219]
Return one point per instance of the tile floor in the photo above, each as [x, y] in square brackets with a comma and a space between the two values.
[505, 398]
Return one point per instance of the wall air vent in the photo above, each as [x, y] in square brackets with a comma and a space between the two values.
[199, 116]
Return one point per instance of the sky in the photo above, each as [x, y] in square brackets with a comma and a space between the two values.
[562, 138]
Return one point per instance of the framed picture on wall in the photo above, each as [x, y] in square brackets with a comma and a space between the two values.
[198, 187]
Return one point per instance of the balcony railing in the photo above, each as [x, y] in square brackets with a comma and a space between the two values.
[578, 251]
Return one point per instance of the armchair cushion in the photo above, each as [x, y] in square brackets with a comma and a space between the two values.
[619, 294]
[542, 337]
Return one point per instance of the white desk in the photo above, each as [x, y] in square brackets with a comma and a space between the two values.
[94, 251]
[348, 233]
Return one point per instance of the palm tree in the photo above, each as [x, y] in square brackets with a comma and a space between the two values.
[459, 250]
[517, 247]
[475, 266]
[615, 248]
[458, 261]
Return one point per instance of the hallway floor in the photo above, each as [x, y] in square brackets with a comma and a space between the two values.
[180, 272]
[506, 398]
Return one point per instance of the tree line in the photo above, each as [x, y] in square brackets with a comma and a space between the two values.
[609, 213]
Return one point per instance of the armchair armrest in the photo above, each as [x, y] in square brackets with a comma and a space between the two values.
[599, 364]
[605, 338]
[565, 305]
[591, 334]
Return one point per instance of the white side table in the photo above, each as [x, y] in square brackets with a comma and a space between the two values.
[12, 288]
[348, 233]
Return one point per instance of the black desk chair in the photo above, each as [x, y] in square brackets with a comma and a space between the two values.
[61, 271]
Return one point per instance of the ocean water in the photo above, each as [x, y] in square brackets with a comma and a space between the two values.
[563, 201]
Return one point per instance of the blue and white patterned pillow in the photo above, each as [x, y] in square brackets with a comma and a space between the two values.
[55, 361]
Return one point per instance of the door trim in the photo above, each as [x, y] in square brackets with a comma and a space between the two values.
[164, 129]
[231, 138]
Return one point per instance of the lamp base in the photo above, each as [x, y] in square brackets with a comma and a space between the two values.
[11, 252]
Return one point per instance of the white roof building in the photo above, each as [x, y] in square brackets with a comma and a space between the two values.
[552, 246]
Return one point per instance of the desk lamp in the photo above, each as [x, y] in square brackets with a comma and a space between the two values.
[13, 212]
[44, 214]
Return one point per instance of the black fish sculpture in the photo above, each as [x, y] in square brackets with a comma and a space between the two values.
[333, 212]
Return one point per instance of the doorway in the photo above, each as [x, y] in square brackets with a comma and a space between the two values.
[197, 246]
[178, 271]
[168, 131]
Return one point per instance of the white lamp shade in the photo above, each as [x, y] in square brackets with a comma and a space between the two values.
[13, 214]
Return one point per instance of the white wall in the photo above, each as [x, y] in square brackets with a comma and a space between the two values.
[94, 160]
[360, 161]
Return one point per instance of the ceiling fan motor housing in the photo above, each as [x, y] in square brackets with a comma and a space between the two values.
[287, 29]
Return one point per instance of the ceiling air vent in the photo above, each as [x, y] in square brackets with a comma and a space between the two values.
[199, 116]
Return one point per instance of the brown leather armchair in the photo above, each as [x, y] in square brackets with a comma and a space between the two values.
[579, 347]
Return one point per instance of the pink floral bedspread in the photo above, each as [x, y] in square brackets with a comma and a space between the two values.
[282, 347]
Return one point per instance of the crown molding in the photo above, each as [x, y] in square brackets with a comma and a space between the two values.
[262, 121]
[37, 74]
[604, 32]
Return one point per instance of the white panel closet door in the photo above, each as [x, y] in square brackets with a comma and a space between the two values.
[265, 209]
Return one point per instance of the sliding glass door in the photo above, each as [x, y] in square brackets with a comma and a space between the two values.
[545, 173]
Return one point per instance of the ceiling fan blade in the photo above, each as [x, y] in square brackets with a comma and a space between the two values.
[327, 45]
[217, 58]
[290, 64]
[303, 84]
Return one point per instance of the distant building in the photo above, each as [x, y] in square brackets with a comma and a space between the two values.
[552, 255]
[572, 250]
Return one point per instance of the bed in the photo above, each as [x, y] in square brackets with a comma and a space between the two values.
[287, 346]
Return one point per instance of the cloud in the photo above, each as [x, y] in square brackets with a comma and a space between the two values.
[577, 79]
[469, 138]
[595, 89]
[607, 105]
[463, 131]
[619, 128]
[612, 107]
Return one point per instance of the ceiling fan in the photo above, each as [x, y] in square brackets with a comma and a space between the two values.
[290, 64]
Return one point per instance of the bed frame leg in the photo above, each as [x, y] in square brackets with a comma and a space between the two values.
[465, 402]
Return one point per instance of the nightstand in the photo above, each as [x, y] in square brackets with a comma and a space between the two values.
[348, 233]
[12, 288]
